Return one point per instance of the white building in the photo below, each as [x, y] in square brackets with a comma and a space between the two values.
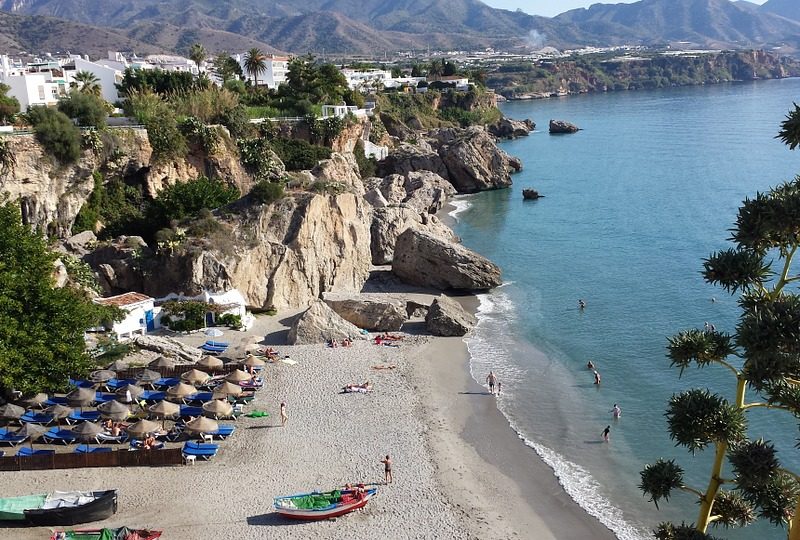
[141, 315]
[167, 62]
[369, 78]
[228, 303]
[107, 76]
[460, 82]
[41, 83]
[275, 70]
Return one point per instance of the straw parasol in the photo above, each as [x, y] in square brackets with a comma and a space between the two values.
[129, 390]
[253, 362]
[59, 412]
[81, 397]
[195, 376]
[210, 362]
[181, 390]
[162, 362]
[202, 424]
[36, 401]
[148, 376]
[228, 389]
[87, 431]
[118, 365]
[238, 376]
[114, 410]
[102, 375]
[142, 428]
[164, 410]
[32, 431]
[217, 408]
[10, 411]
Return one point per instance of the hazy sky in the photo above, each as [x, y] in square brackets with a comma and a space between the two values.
[554, 7]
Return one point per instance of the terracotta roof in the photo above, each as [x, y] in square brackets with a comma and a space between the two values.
[122, 300]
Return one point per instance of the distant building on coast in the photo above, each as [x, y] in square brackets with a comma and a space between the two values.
[140, 314]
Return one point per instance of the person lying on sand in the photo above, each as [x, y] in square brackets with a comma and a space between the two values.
[384, 366]
[363, 388]
[390, 337]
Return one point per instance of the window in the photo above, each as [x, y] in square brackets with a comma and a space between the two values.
[41, 92]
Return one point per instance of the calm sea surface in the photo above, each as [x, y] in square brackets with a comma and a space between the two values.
[633, 203]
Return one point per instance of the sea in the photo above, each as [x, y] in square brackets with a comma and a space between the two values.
[632, 204]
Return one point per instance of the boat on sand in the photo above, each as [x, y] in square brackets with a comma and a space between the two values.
[122, 533]
[330, 504]
[60, 507]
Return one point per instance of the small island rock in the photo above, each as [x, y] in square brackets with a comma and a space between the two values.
[531, 194]
[560, 126]
[447, 318]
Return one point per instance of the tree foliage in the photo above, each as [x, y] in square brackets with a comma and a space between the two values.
[41, 327]
[87, 109]
[763, 354]
[9, 105]
[158, 81]
[226, 68]
[56, 133]
[87, 83]
[184, 200]
[255, 63]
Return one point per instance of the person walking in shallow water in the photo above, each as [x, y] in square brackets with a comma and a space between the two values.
[581, 304]
[606, 432]
[284, 416]
[387, 469]
[491, 380]
[616, 411]
[596, 377]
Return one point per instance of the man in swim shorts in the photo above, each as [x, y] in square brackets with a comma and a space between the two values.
[491, 380]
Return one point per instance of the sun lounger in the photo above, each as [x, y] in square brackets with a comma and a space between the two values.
[81, 384]
[26, 452]
[115, 384]
[212, 350]
[224, 344]
[224, 431]
[11, 439]
[61, 436]
[166, 382]
[53, 400]
[153, 396]
[36, 418]
[106, 438]
[200, 397]
[190, 410]
[86, 449]
[136, 444]
[202, 451]
[83, 416]
[102, 397]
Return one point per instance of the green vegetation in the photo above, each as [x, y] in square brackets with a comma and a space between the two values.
[762, 354]
[87, 83]
[197, 53]
[186, 200]
[226, 68]
[9, 106]
[87, 109]
[115, 205]
[186, 315]
[41, 327]
[255, 64]
[266, 192]
[257, 158]
[299, 155]
[199, 133]
[56, 133]
[80, 273]
[157, 81]
[367, 166]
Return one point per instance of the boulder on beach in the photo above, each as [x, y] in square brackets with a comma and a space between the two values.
[373, 313]
[531, 194]
[421, 258]
[560, 126]
[167, 346]
[446, 317]
[389, 223]
[318, 324]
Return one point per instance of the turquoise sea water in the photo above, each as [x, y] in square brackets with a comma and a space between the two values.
[633, 203]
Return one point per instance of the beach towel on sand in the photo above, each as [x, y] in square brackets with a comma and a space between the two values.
[257, 414]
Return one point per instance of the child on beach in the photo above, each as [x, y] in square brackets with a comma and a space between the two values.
[606, 432]
[387, 469]
[284, 416]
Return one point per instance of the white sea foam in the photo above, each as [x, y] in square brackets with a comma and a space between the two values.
[489, 348]
[460, 205]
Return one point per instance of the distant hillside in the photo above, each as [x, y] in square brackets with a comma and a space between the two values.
[180, 39]
[785, 8]
[374, 26]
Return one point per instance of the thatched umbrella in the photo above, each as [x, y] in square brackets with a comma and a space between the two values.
[87, 431]
[164, 410]
[253, 362]
[36, 401]
[162, 362]
[238, 376]
[142, 428]
[217, 408]
[9, 411]
[202, 424]
[114, 410]
[148, 376]
[102, 375]
[129, 393]
[181, 390]
[228, 389]
[32, 431]
[210, 362]
[118, 365]
[195, 376]
[82, 397]
[59, 412]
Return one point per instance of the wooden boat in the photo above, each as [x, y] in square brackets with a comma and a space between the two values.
[316, 506]
[123, 533]
[60, 507]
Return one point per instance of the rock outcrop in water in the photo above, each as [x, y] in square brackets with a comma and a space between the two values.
[446, 317]
[423, 259]
[508, 128]
[558, 127]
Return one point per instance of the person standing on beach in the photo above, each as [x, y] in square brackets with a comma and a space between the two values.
[596, 377]
[284, 416]
[491, 380]
[616, 411]
[606, 432]
[387, 469]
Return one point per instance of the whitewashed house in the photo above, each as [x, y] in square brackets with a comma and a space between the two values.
[366, 78]
[141, 315]
[228, 302]
[277, 68]
[40, 83]
[107, 76]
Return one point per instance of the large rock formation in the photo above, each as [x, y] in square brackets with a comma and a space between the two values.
[468, 158]
[283, 255]
[508, 128]
[166, 346]
[340, 169]
[421, 258]
[376, 313]
[423, 190]
[390, 222]
[446, 317]
[318, 324]
[558, 127]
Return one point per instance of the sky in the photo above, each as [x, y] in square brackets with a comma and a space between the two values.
[550, 8]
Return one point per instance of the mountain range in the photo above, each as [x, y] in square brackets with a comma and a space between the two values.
[374, 26]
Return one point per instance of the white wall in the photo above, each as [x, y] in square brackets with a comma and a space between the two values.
[32, 89]
[134, 321]
[108, 77]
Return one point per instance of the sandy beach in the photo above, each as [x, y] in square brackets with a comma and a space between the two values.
[460, 471]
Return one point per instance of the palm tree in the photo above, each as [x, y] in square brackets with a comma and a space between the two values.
[197, 53]
[436, 68]
[89, 83]
[255, 64]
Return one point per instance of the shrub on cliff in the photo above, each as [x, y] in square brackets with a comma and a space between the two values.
[299, 155]
[367, 166]
[186, 200]
[56, 133]
[86, 109]
[267, 192]
[9, 105]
